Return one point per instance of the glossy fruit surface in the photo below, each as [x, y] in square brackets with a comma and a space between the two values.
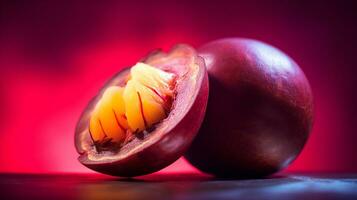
[259, 113]
[144, 151]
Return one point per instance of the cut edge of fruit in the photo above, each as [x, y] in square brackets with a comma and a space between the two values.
[182, 56]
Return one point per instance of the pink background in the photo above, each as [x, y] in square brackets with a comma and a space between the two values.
[55, 56]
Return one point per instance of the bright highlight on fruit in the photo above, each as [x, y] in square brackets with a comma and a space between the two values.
[122, 111]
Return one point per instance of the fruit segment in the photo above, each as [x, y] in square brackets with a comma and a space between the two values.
[143, 102]
[107, 121]
[134, 107]
[144, 109]
[162, 81]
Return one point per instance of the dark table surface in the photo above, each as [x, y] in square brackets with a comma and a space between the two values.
[177, 186]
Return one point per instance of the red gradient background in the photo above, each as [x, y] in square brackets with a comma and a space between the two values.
[54, 56]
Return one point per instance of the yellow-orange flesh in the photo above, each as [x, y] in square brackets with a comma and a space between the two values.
[122, 111]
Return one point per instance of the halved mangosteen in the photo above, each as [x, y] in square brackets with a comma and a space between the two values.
[146, 116]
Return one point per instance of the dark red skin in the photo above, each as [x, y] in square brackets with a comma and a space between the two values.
[167, 147]
[259, 113]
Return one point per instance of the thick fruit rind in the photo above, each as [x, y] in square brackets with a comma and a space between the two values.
[155, 150]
